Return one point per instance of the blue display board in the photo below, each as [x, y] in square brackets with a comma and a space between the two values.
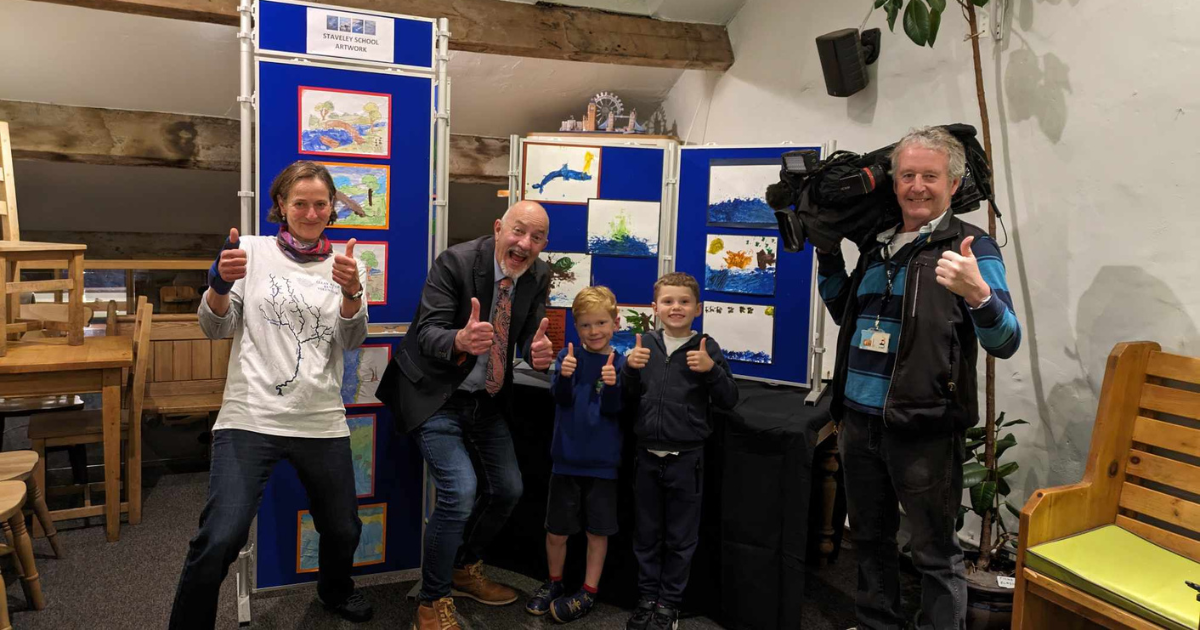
[284, 89]
[627, 174]
[388, 471]
[283, 29]
[791, 300]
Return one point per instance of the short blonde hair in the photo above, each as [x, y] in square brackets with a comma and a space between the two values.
[592, 299]
[678, 279]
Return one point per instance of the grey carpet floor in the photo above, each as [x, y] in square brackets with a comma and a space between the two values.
[131, 583]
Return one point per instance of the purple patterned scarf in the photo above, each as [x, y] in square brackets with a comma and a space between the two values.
[292, 248]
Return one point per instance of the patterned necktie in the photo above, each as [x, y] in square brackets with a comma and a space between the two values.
[498, 355]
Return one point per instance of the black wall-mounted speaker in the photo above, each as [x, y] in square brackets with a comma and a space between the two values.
[844, 62]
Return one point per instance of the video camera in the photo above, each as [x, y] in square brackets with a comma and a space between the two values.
[849, 195]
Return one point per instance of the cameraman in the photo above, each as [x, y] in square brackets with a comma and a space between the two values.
[904, 386]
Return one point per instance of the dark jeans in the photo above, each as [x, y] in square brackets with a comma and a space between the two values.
[923, 473]
[471, 459]
[241, 463]
[667, 497]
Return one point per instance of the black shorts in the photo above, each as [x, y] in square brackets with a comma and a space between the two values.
[573, 497]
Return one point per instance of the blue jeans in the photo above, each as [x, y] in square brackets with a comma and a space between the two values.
[471, 459]
[884, 468]
[241, 463]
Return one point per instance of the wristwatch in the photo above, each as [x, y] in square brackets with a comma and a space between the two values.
[353, 296]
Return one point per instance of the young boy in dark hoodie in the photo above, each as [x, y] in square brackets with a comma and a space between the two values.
[586, 450]
[676, 374]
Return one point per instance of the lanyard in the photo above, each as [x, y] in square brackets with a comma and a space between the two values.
[891, 268]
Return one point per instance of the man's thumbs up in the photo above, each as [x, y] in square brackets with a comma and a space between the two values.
[569, 362]
[608, 373]
[476, 337]
[640, 356]
[965, 250]
[698, 360]
[541, 351]
[474, 318]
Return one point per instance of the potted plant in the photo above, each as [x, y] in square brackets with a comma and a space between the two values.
[989, 601]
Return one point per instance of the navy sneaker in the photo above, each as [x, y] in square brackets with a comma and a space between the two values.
[665, 618]
[640, 619]
[539, 604]
[566, 609]
[355, 608]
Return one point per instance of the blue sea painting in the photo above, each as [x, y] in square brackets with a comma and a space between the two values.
[361, 371]
[372, 543]
[362, 453]
[735, 263]
[623, 228]
[341, 122]
[737, 194]
[746, 332]
[567, 174]
[635, 320]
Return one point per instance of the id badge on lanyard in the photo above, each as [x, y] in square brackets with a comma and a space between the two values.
[875, 339]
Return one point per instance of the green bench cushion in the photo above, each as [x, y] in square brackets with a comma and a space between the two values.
[1126, 571]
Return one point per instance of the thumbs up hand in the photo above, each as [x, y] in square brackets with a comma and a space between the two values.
[541, 351]
[476, 337]
[608, 373]
[229, 266]
[959, 272]
[568, 363]
[345, 270]
[640, 356]
[698, 360]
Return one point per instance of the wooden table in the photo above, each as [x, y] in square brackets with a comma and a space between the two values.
[13, 253]
[50, 366]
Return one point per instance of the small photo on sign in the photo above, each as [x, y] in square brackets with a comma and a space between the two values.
[569, 273]
[362, 368]
[372, 543]
[735, 263]
[331, 22]
[344, 25]
[343, 122]
[746, 332]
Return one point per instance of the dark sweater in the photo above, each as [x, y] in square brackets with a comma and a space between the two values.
[673, 400]
[587, 436]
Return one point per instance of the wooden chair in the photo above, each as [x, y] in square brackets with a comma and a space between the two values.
[27, 467]
[1116, 549]
[86, 427]
[12, 498]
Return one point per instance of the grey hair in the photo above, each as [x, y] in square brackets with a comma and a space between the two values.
[936, 139]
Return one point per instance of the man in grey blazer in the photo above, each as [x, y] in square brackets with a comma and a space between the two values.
[449, 385]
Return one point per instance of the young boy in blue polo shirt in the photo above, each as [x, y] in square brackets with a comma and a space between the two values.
[586, 451]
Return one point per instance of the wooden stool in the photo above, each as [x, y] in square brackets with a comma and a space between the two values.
[14, 252]
[12, 499]
[26, 466]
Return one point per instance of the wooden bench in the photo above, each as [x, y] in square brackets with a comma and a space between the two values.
[187, 369]
[1117, 549]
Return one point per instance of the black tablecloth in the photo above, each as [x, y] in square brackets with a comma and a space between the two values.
[754, 520]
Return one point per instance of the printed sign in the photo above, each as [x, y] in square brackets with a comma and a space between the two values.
[351, 35]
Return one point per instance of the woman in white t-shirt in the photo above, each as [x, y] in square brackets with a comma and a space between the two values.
[293, 308]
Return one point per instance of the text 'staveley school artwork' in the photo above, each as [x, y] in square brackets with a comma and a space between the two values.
[737, 194]
[561, 173]
[746, 332]
[362, 195]
[342, 122]
[569, 273]
[372, 544]
[734, 263]
[623, 228]
[361, 371]
[372, 256]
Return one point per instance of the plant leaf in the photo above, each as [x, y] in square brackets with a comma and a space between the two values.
[1004, 443]
[893, 10]
[916, 22]
[979, 3]
[972, 445]
[1002, 488]
[935, 20]
[880, 3]
[1015, 423]
[982, 497]
[937, 5]
[961, 520]
[1007, 469]
[1012, 510]
[973, 474]
[975, 433]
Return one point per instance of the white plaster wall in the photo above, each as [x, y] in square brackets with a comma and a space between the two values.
[1095, 110]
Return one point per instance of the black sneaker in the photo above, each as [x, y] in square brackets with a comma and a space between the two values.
[665, 618]
[539, 604]
[566, 609]
[641, 615]
[355, 608]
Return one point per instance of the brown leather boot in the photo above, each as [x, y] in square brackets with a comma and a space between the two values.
[439, 616]
[469, 582]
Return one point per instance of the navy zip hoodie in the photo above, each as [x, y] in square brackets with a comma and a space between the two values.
[587, 435]
[672, 399]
